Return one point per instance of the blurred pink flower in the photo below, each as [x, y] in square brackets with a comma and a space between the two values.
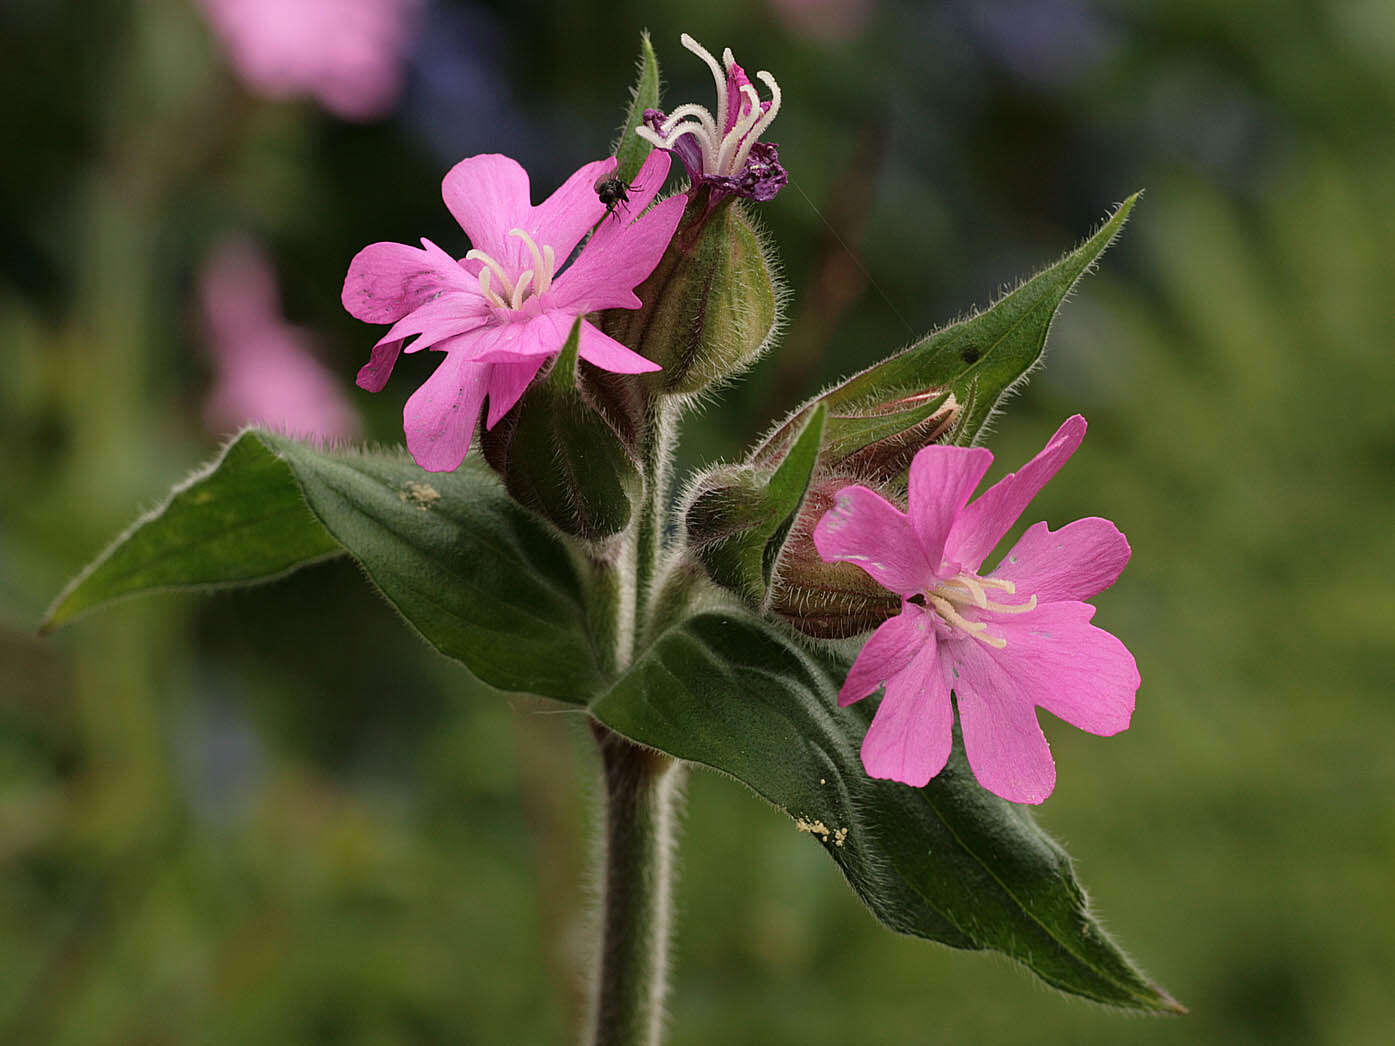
[264, 372]
[1005, 643]
[348, 54]
[503, 310]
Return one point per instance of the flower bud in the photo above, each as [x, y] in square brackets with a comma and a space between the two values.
[824, 600]
[710, 305]
[872, 440]
[560, 457]
[738, 517]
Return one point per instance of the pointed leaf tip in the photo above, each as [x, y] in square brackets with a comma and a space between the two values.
[630, 149]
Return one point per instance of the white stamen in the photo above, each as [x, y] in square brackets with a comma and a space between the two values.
[718, 77]
[476, 253]
[968, 589]
[549, 267]
[731, 144]
[532, 249]
[1011, 608]
[522, 288]
[768, 117]
[485, 275]
[696, 112]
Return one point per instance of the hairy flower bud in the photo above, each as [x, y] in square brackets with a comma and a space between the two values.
[559, 456]
[868, 438]
[738, 517]
[709, 307]
[820, 599]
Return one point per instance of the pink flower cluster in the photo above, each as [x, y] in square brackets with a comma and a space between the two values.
[347, 54]
[1003, 643]
[504, 309]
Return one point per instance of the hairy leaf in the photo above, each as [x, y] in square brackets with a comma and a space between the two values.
[484, 581]
[949, 862]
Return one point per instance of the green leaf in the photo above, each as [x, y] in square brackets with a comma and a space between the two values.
[484, 581]
[950, 862]
[738, 527]
[978, 359]
[247, 524]
[630, 148]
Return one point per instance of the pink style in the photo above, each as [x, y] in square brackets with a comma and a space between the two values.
[503, 310]
[1003, 643]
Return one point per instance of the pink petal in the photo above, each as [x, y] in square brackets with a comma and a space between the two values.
[653, 173]
[864, 528]
[488, 195]
[440, 417]
[1076, 562]
[386, 281]
[453, 313]
[1056, 659]
[568, 214]
[983, 524]
[941, 480]
[911, 734]
[524, 340]
[507, 384]
[1002, 739]
[617, 259]
[374, 374]
[890, 650]
[605, 352]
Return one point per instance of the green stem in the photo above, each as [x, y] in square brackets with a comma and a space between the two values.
[642, 789]
[649, 533]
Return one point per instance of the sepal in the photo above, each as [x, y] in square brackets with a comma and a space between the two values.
[738, 518]
[709, 307]
[559, 455]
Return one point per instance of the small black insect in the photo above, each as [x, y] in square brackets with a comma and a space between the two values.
[969, 355]
[612, 191]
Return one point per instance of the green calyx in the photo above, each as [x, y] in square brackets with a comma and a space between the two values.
[560, 456]
[709, 307]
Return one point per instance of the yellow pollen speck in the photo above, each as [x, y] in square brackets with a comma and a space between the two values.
[422, 495]
[837, 836]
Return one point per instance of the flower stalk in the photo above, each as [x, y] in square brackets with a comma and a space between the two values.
[642, 788]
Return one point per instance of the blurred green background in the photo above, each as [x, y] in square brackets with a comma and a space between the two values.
[275, 816]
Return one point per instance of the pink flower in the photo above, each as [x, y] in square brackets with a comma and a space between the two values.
[500, 312]
[348, 54]
[1005, 643]
[723, 151]
[264, 371]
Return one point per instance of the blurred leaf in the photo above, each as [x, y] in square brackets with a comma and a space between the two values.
[631, 149]
[484, 581]
[950, 862]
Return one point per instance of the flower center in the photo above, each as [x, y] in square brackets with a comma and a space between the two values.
[724, 150]
[531, 283]
[966, 590]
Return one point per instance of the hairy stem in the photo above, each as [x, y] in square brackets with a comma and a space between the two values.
[649, 533]
[641, 789]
